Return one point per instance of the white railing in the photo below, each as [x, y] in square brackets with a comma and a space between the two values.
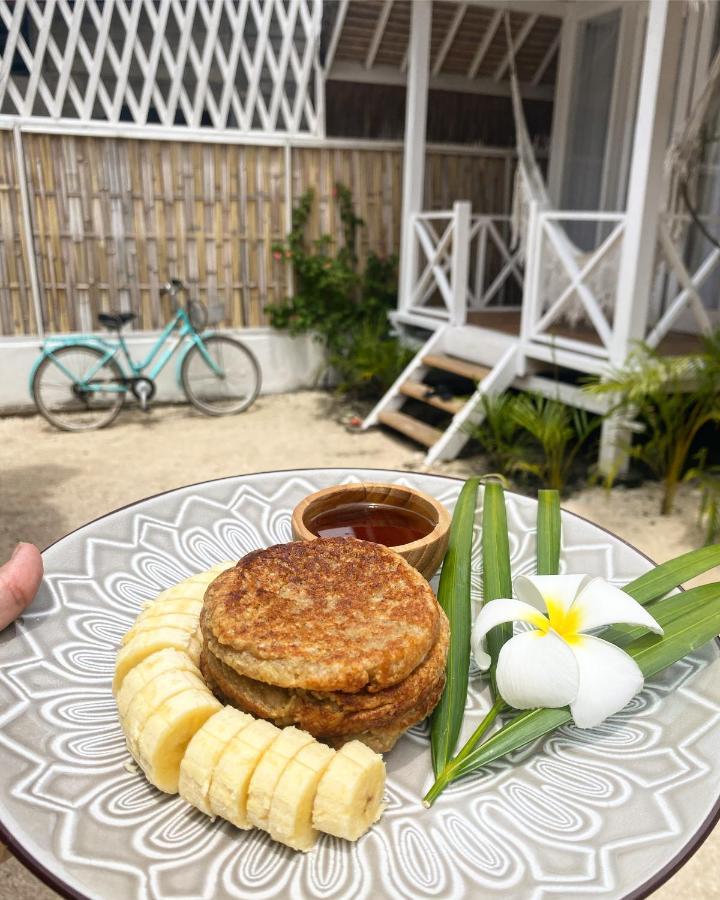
[684, 285]
[465, 261]
[565, 284]
[248, 66]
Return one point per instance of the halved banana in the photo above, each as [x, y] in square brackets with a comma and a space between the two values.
[291, 807]
[228, 795]
[197, 768]
[151, 698]
[164, 739]
[267, 774]
[182, 621]
[349, 795]
[142, 645]
[151, 667]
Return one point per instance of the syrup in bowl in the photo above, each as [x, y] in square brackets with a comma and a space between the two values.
[380, 523]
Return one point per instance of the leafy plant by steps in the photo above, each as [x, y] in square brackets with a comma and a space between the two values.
[347, 308]
[535, 435]
[674, 397]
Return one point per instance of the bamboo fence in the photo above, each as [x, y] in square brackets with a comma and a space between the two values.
[114, 218]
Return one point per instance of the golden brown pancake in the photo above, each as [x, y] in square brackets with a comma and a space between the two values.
[336, 614]
[336, 714]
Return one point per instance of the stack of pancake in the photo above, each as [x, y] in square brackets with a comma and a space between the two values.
[340, 637]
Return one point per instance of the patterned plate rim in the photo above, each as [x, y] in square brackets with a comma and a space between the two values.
[54, 881]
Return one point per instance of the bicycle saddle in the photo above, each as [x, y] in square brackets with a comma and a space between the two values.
[115, 320]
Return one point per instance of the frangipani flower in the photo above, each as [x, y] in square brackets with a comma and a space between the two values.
[558, 662]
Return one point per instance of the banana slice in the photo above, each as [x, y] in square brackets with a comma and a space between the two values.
[291, 807]
[182, 621]
[142, 645]
[349, 796]
[169, 607]
[164, 739]
[151, 667]
[195, 645]
[151, 697]
[267, 774]
[204, 750]
[228, 794]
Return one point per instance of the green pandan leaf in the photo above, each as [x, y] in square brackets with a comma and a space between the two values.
[454, 597]
[670, 575]
[548, 533]
[497, 578]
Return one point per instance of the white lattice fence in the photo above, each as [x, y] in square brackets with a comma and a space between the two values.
[243, 65]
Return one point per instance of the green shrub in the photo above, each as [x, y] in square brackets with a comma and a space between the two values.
[345, 308]
[673, 397]
[534, 435]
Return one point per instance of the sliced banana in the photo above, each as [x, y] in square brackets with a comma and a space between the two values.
[164, 739]
[170, 607]
[228, 794]
[349, 795]
[267, 774]
[197, 768]
[151, 667]
[182, 621]
[151, 697]
[291, 808]
[195, 645]
[143, 645]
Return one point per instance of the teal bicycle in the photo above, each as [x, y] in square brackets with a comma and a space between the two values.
[79, 382]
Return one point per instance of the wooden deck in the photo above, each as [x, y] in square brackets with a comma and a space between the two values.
[676, 343]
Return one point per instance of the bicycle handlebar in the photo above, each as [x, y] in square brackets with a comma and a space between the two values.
[172, 287]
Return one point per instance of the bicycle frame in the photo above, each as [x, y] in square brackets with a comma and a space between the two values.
[180, 321]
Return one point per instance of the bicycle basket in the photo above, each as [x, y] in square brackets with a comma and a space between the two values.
[198, 314]
[215, 313]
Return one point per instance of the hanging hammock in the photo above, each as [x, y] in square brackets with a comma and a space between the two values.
[558, 252]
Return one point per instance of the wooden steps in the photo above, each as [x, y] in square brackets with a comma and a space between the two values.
[457, 366]
[412, 428]
[419, 391]
[402, 406]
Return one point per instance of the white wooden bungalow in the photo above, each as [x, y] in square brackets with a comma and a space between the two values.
[533, 293]
[601, 255]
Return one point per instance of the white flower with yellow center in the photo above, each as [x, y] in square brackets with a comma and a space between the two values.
[558, 663]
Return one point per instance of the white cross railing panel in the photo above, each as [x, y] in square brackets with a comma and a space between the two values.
[567, 287]
[688, 298]
[464, 263]
[248, 66]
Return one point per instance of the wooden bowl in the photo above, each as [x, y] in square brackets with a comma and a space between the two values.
[425, 554]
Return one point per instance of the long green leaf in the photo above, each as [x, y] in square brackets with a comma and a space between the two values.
[548, 533]
[454, 597]
[669, 575]
[497, 578]
[651, 652]
[665, 612]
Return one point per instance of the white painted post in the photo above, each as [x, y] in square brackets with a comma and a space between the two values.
[414, 144]
[460, 261]
[662, 45]
[561, 107]
[28, 231]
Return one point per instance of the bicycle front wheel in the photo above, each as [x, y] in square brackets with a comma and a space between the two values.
[222, 380]
[74, 392]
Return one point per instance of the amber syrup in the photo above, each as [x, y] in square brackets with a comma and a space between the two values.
[380, 523]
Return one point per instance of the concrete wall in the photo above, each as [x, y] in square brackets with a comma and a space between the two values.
[287, 364]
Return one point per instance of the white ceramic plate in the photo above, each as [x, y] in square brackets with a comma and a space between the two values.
[608, 813]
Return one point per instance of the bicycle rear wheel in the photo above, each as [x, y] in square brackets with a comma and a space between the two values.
[227, 381]
[67, 399]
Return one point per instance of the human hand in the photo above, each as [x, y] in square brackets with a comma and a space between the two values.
[19, 580]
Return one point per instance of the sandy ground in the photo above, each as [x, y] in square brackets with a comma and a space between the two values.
[52, 482]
